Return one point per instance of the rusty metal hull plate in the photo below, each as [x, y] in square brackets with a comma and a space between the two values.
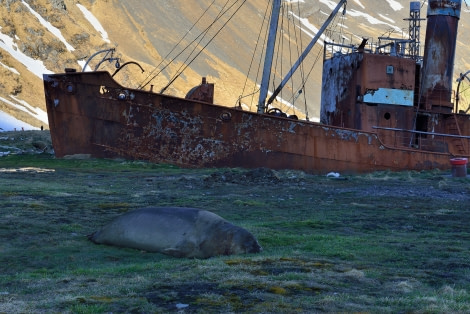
[89, 113]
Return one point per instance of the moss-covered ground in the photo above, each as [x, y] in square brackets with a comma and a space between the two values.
[381, 242]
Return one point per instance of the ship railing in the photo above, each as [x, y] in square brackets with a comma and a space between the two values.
[386, 45]
[332, 49]
[425, 141]
[393, 46]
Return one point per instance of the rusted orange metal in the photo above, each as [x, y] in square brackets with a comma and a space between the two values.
[203, 92]
[355, 79]
[372, 117]
[439, 54]
[89, 113]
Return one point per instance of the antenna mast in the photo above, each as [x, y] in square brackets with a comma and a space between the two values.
[414, 29]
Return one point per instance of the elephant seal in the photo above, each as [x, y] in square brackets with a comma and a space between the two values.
[177, 231]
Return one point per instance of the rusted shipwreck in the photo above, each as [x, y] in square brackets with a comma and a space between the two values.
[385, 108]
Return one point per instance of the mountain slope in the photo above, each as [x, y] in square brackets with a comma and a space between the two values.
[43, 36]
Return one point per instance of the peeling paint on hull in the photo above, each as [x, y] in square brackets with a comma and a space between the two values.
[89, 113]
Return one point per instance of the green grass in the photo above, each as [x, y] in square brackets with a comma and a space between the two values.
[383, 242]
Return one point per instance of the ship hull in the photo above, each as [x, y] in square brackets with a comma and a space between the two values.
[90, 114]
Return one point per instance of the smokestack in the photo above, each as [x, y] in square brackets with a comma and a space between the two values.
[439, 53]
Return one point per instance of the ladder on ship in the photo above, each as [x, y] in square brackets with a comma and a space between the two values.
[454, 129]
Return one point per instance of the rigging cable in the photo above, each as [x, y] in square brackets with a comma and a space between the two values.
[289, 17]
[305, 78]
[142, 85]
[315, 62]
[255, 90]
[260, 68]
[201, 37]
[185, 66]
[280, 46]
[302, 71]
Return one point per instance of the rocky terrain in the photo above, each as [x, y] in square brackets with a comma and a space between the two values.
[44, 36]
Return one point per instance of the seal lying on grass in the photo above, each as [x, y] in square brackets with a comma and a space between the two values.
[179, 232]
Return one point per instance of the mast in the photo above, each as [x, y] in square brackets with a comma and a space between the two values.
[268, 59]
[302, 57]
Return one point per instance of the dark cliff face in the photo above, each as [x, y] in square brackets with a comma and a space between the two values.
[50, 35]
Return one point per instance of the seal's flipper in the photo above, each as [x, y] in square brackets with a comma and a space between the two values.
[184, 248]
[174, 252]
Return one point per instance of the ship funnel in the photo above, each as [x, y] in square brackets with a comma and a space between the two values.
[439, 53]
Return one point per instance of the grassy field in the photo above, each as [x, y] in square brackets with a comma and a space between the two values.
[382, 242]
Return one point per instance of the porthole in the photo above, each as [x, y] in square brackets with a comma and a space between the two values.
[70, 88]
[226, 116]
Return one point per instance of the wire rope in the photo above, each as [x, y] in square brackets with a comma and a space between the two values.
[253, 59]
[142, 85]
[201, 36]
[205, 46]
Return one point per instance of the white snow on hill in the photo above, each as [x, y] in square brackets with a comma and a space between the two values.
[10, 68]
[94, 21]
[9, 123]
[54, 30]
[395, 5]
[37, 67]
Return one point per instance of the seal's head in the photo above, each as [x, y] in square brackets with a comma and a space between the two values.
[243, 242]
[227, 239]
[240, 241]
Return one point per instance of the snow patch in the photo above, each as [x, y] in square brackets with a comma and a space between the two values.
[22, 105]
[386, 18]
[38, 113]
[371, 19]
[9, 68]
[395, 5]
[330, 4]
[8, 123]
[94, 21]
[467, 4]
[82, 63]
[358, 2]
[37, 67]
[310, 29]
[54, 30]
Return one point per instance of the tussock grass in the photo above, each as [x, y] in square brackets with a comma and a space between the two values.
[383, 242]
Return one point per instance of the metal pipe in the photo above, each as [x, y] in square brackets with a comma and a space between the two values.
[439, 54]
[268, 59]
[127, 63]
[110, 50]
[422, 132]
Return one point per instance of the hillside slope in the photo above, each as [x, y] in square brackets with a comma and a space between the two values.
[43, 36]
